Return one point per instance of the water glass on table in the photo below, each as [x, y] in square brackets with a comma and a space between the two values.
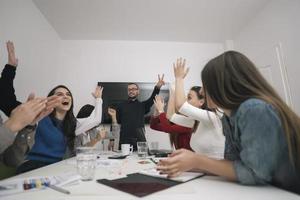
[142, 149]
[86, 162]
[154, 145]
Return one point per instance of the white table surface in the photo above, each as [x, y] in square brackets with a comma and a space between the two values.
[208, 187]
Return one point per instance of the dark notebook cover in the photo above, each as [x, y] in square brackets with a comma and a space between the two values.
[139, 184]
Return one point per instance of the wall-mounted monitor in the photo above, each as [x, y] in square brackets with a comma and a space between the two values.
[116, 92]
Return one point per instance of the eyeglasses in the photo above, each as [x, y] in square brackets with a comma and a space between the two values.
[132, 89]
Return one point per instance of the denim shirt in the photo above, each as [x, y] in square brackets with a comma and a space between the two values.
[256, 143]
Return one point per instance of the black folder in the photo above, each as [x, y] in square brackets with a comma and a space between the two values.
[139, 184]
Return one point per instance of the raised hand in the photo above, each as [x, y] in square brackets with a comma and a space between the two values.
[160, 81]
[12, 60]
[180, 70]
[98, 92]
[159, 104]
[112, 112]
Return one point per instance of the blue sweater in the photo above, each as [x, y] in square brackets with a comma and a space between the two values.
[50, 143]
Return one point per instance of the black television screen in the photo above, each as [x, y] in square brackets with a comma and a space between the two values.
[116, 92]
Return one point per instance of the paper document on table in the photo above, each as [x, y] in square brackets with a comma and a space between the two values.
[108, 163]
[104, 163]
[65, 179]
[36, 183]
[184, 177]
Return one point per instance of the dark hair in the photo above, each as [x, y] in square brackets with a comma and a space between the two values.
[231, 78]
[197, 90]
[85, 111]
[69, 122]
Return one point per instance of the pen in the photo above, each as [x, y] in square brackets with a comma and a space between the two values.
[59, 189]
[153, 160]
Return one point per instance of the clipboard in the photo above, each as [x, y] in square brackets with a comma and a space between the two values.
[139, 185]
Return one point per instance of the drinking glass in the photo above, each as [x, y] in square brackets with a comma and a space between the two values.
[142, 149]
[86, 162]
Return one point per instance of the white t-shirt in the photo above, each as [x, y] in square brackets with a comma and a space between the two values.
[85, 124]
[208, 138]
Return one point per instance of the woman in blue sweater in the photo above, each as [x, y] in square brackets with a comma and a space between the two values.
[55, 134]
[262, 133]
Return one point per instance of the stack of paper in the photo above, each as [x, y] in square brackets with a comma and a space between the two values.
[184, 177]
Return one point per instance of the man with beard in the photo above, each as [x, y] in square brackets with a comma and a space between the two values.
[130, 114]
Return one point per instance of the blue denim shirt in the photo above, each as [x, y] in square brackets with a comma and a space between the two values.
[256, 143]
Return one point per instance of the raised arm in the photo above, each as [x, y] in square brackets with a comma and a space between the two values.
[115, 127]
[149, 102]
[113, 114]
[171, 103]
[163, 123]
[8, 98]
[199, 114]
[85, 124]
[12, 60]
[180, 71]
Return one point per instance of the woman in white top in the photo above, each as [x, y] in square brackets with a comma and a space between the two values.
[208, 138]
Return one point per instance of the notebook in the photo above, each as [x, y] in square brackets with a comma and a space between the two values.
[139, 185]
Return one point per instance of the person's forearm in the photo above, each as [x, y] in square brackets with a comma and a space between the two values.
[8, 98]
[222, 168]
[13, 126]
[179, 93]
[149, 102]
[85, 124]
[171, 105]
[114, 120]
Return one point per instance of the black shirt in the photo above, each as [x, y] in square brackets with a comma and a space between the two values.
[130, 114]
[8, 100]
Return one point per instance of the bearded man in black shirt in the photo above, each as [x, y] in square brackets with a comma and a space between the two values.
[130, 114]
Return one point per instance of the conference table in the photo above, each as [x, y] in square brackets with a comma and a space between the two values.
[206, 187]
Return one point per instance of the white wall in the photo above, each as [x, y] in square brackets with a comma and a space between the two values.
[277, 23]
[36, 45]
[84, 63]
[46, 60]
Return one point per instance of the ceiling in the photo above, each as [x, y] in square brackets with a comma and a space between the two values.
[149, 20]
